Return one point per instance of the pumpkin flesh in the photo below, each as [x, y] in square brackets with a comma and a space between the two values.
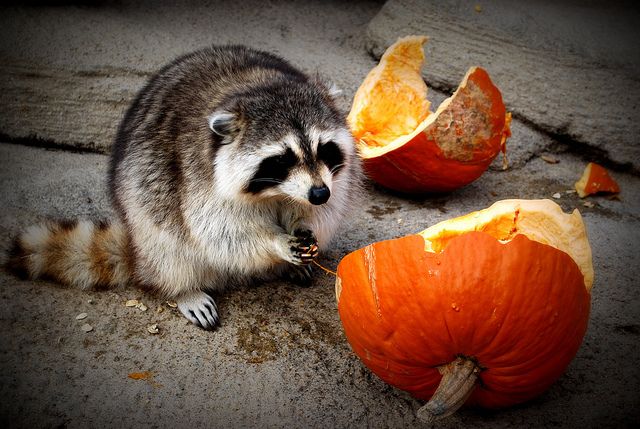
[400, 96]
[519, 309]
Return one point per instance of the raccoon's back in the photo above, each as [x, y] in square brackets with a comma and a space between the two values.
[83, 254]
[176, 98]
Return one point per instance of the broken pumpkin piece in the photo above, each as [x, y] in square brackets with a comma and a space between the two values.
[145, 375]
[408, 148]
[595, 179]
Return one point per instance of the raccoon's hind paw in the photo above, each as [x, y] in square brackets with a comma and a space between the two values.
[304, 247]
[200, 309]
[298, 275]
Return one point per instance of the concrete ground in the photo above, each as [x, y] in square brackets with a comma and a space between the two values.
[280, 358]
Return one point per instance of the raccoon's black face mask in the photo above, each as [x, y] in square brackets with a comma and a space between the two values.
[277, 170]
[272, 171]
[309, 136]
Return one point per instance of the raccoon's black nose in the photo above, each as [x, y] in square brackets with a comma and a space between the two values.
[319, 196]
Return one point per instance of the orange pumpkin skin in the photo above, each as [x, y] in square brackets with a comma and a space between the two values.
[452, 151]
[519, 309]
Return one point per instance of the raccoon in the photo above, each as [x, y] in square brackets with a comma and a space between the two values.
[231, 165]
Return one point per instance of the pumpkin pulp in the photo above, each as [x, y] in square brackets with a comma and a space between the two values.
[511, 311]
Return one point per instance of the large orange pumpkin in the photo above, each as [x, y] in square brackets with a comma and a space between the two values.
[408, 148]
[495, 304]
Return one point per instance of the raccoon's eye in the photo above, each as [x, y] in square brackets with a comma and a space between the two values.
[331, 155]
[280, 159]
[287, 159]
[271, 172]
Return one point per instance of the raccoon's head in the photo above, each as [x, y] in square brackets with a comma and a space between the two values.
[282, 142]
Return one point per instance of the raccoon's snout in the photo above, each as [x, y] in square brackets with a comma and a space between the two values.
[319, 196]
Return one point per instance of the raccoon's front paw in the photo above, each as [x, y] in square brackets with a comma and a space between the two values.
[304, 247]
[200, 309]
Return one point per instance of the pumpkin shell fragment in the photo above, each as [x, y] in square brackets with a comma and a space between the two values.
[595, 179]
[410, 149]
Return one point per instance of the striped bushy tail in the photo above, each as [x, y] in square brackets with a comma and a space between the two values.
[83, 254]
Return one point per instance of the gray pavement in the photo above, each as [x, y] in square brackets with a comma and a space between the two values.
[280, 358]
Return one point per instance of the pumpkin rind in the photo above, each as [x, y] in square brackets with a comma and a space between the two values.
[520, 309]
[446, 150]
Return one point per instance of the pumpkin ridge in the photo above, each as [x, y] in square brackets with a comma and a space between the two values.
[540, 361]
[370, 265]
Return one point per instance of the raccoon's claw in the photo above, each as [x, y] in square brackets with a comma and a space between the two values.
[200, 309]
[304, 247]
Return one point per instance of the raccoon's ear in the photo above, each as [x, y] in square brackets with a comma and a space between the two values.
[224, 124]
[334, 91]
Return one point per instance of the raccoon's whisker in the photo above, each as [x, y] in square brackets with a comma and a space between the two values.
[339, 180]
[278, 181]
[336, 168]
[289, 200]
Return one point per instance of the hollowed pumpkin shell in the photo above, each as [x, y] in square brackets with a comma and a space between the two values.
[408, 148]
[505, 288]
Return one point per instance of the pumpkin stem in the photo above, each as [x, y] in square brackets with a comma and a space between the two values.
[459, 378]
